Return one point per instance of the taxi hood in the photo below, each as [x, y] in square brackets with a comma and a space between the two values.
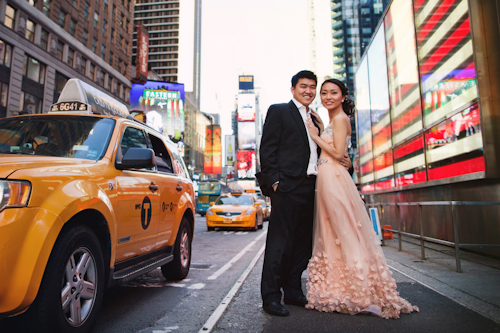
[11, 163]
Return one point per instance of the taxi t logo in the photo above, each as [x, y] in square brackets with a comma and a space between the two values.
[146, 213]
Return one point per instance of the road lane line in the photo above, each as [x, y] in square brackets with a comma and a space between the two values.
[235, 258]
[214, 318]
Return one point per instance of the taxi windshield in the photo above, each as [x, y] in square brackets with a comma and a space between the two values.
[62, 136]
[244, 199]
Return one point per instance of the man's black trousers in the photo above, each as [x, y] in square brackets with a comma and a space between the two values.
[289, 242]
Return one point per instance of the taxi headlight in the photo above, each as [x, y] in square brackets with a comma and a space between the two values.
[14, 193]
[249, 211]
[209, 212]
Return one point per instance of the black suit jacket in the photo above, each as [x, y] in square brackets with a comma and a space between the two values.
[284, 147]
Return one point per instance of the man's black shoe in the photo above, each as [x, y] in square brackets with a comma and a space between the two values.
[301, 301]
[276, 309]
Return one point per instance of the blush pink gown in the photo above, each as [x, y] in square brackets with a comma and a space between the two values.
[347, 272]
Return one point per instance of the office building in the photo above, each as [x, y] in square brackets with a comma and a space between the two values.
[44, 43]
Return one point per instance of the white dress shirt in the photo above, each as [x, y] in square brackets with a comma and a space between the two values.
[312, 167]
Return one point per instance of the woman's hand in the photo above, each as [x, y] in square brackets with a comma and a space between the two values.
[318, 121]
[313, 131]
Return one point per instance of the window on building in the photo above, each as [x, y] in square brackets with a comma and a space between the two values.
[125, 23]
[46, 7]
[100, 78]
[31, 102]
[59, 85]
[4, 89]
[126, 48]
[106, 82]
[105, 5]
[72, 27]
[112, 36]
[111, 58]
[83, 66]
[103, 51]
[120, 88]
[86, 11]
[74, 3]
[44, 39]
[62, 18]
[96, 19]
[114, 87]
[34, 70]
[71, 57]
[94, 44]
[84, 38]
[5, 54]
[104, 27]
[122, 18]
[30, 30]
[59, 50]
[92, 72]
[10, 15]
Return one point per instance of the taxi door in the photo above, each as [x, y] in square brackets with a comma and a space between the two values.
[171, 185]
[138, 202]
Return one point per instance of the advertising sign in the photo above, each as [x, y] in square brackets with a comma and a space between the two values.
[245, 164]
[165, 98]
[208, 165]
[142, 53]
[246, 107]
[230, 150]
[246, 135]
[246, 82]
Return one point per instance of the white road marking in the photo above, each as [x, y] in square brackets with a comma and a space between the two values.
[197, 286]
[235, 258]
[167, 329]
[214, 318]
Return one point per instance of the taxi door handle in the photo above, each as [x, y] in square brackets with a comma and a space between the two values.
[179, 188]
[153, 187]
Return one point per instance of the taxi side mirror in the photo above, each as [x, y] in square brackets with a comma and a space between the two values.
[212, 203]
[137, 158]
[258, 203]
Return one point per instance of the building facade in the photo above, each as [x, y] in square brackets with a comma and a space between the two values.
[428, 117]
[45, 43]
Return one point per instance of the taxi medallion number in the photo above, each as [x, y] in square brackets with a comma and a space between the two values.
[69, 106]
[227, 220]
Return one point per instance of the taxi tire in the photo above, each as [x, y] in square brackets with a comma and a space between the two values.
[177, 270]
[256, 226]
[210, 228]
[48, 307]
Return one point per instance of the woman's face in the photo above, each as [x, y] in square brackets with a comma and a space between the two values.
[331, 96]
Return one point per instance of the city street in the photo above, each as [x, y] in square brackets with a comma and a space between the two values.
[222, 294]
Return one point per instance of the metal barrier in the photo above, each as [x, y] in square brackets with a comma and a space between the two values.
[456, 244]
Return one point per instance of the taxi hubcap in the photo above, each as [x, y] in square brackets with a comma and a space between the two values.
[184, 249]
[79, 282]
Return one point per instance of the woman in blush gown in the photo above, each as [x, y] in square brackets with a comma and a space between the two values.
[347, 272]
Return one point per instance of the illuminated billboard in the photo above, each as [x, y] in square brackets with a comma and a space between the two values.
[142, 57]
[213, 150]
[165, 98]
[246, 82]
[246, 107]
[246, 135]
[245, 164]
[230, 150]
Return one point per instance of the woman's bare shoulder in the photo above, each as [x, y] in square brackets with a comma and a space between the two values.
[342, 121]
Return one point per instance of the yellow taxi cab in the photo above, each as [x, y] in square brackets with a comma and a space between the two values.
[265, 202]
[235, 209]
[88, 199]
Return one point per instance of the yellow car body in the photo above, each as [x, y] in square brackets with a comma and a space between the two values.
[235, 211]
[134, 214]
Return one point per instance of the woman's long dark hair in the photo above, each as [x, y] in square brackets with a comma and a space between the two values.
[348, 103]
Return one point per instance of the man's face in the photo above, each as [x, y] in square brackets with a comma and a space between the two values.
[305, 91]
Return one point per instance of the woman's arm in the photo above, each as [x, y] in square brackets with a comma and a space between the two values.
[340, 127]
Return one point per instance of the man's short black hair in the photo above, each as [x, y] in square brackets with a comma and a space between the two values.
[303, 75]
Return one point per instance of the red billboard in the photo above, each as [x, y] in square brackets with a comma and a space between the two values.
[141, 62]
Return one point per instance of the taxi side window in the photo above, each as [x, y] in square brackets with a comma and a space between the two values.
[162, 157]
[132, 138]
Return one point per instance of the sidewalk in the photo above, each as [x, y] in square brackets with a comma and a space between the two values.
[448, 301]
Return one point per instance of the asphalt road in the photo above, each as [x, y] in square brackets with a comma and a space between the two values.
[150, 303]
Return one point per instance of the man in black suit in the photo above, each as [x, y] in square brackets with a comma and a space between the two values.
[289, 167]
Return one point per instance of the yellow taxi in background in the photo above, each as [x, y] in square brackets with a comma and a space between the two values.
[265, 201]
[88, 199]
[235, 210]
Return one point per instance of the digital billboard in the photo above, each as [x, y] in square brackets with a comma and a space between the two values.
[230, 150]
[246, 107]
[245, 164]
[213, 150]
[246, 135]
[165, 98]
[245, 82]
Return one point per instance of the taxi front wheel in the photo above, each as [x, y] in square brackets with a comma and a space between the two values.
[72, 287]
[178, 268]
